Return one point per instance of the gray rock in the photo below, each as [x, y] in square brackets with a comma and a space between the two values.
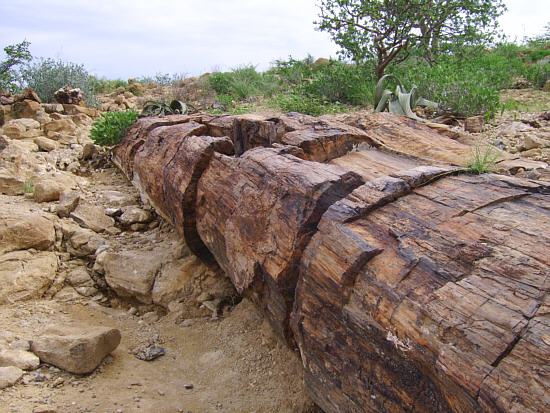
[135, 215]
[68, 201]
[77, 350]
[45, 144]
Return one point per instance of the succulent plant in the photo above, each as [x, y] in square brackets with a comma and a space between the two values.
[158, 108]
[399, 102]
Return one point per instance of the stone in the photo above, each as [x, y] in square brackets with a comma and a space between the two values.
[21, 128]
[118, 199]
[150, 353]
[474, 124]
[531, 142]
[135, 215]
[45, 144]
[78, 350]
[22, 229]
[132, 273]
[53, 107]
[78, 241]
[10, 376]
[92, 217]
[64, 125]
[79, 277]
[67, 95]
[77, 109]
[47, 190]
[26, 275]
[68, 201]
[27, 94]
[88, 151]
[24, 360]
[26, 109]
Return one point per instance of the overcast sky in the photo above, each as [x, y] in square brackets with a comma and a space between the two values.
[132, 38]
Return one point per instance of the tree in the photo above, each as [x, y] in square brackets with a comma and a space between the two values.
[16, 55]
[390, 30]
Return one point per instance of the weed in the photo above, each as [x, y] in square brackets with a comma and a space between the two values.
[28, 187]
[111, 127]
[483, 159]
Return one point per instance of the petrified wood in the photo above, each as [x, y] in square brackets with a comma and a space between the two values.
[407, 284]
[427, 292]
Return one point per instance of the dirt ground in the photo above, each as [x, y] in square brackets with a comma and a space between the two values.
[234, 364]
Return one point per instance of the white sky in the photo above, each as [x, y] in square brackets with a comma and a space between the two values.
[131, 38]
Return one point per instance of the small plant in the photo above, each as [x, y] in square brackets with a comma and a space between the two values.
[28, 187]
[157, 108]
[111, 127]
[399, 102]
[483, 159]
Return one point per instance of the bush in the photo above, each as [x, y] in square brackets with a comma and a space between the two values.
[111, 127]
[103, 85]
[46, 76]
[243, 83]
[16, 55]
[310, 105]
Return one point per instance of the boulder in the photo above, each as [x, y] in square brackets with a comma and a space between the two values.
[531, 142]
[67, 95]
[45, 144]
[78, 350]
[23, 229]
[135, 215]
[25, 275]
[26, 109]
[27, 94]
[474, 124]
[21, 128]
[47, 190]
[92, 217]
[117, 199]
[132, 273]
[22, 359]
[64, 125]
[10, 376]
[80, 242]
[77, 109]
[53, 107]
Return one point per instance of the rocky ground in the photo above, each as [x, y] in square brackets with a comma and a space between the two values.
[85, 264]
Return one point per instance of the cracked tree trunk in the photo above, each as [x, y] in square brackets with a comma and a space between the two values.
[407, 284]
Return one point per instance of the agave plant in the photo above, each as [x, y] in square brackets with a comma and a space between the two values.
[399, 102]
[158, 108]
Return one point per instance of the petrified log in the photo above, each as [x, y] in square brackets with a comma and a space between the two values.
[256, 214]
[423, 293]
[413, 285]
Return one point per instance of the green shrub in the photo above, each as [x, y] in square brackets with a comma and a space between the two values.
[243, 82]
[15, 55]
[46, 76]
[310, 105]
[103, 85]
[111, 127]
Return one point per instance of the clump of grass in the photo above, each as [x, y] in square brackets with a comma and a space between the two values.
[111, 127]
[483, 159]
[28, 187]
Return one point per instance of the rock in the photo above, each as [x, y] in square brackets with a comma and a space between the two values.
[6, 98]
[64, 125]
[150, 352]
[546, 86]
[135, 215]
[24, 360]
[26, 109]
[88, 151]
[21, 128]
[3, 142]
[47, 190]
[26, 275]
[45, 144]
[80, 242]
[132, 273]
[53, 107]
[21, 229]
[66, 95]
[79, 277]
[77, 109]
[78, 350]
[68, 201]
[474, 124]
[531, 142]
[92, 217]
[117, 199]
[10, 376]
[27, 94]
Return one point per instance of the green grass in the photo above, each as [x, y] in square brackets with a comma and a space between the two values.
[483, 159]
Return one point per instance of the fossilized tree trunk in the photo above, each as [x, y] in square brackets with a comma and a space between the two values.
[406, 284]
